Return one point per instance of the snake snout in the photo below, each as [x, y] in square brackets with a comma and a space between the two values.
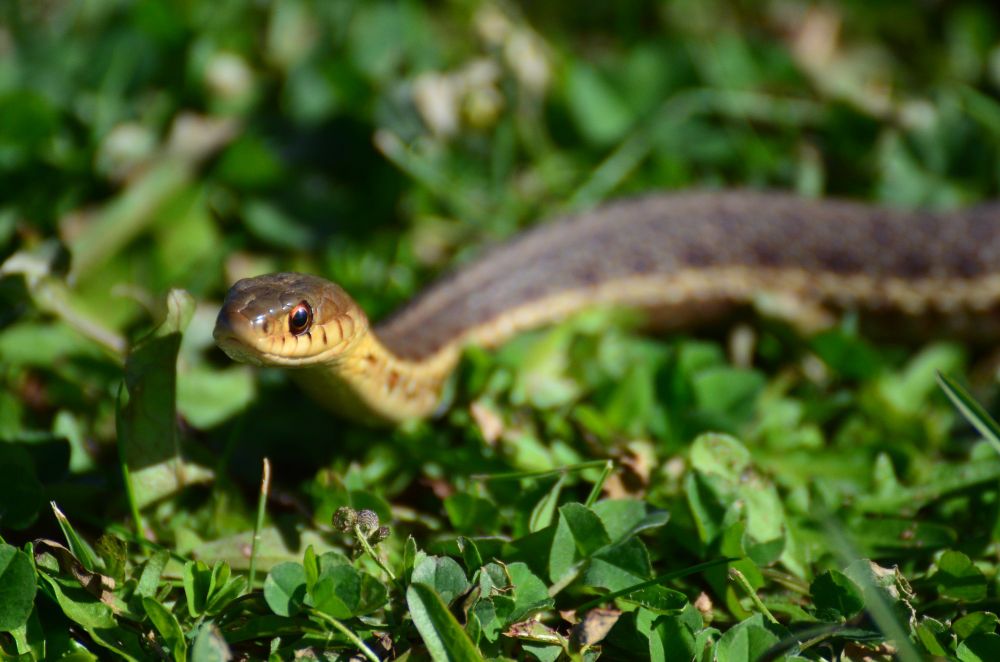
[234, 334]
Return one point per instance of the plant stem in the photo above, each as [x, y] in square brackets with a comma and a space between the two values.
[355, 639]
[265, 488]
[745, 585]
[544, 473]
[595, 492]
[370, 551]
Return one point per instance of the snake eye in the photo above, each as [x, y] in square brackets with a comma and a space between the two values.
[300, 319]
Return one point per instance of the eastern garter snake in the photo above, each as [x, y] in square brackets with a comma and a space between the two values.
[679, 257]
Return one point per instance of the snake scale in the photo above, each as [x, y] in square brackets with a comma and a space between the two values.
[680, 257]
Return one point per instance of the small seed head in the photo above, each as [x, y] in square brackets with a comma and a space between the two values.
[367, 521]
[345, 518]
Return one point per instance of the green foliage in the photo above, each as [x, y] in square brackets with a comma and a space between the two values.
[17, 588]
[168, 627]
[835, 596]
[285, 588]
[592, 491]
[444, 637]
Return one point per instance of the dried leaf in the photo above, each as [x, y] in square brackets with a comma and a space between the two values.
[594, 627]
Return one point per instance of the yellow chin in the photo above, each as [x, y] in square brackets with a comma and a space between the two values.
[237, 351]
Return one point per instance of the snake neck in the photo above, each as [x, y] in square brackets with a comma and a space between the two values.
[372, 384]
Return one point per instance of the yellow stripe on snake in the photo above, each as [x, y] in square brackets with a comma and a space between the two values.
[681, 258]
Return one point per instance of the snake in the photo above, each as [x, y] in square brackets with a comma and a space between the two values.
[680, 258]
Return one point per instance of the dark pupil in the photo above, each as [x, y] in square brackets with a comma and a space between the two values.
[300, 317]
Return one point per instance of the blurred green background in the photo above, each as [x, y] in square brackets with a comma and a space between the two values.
[154, 145]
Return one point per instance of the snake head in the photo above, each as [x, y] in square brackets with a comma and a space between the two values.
[289, 320]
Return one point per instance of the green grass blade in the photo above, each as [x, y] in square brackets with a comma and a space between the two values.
[971, 410]
[595, 492]
[885, 617]
[544, 512]
[80, 548]
[444, 637]
[544, 473]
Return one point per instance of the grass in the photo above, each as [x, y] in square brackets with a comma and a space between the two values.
[592, 490]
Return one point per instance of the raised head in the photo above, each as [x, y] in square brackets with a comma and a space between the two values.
[290, 320]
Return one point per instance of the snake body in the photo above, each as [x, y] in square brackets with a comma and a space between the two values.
[679, 257]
